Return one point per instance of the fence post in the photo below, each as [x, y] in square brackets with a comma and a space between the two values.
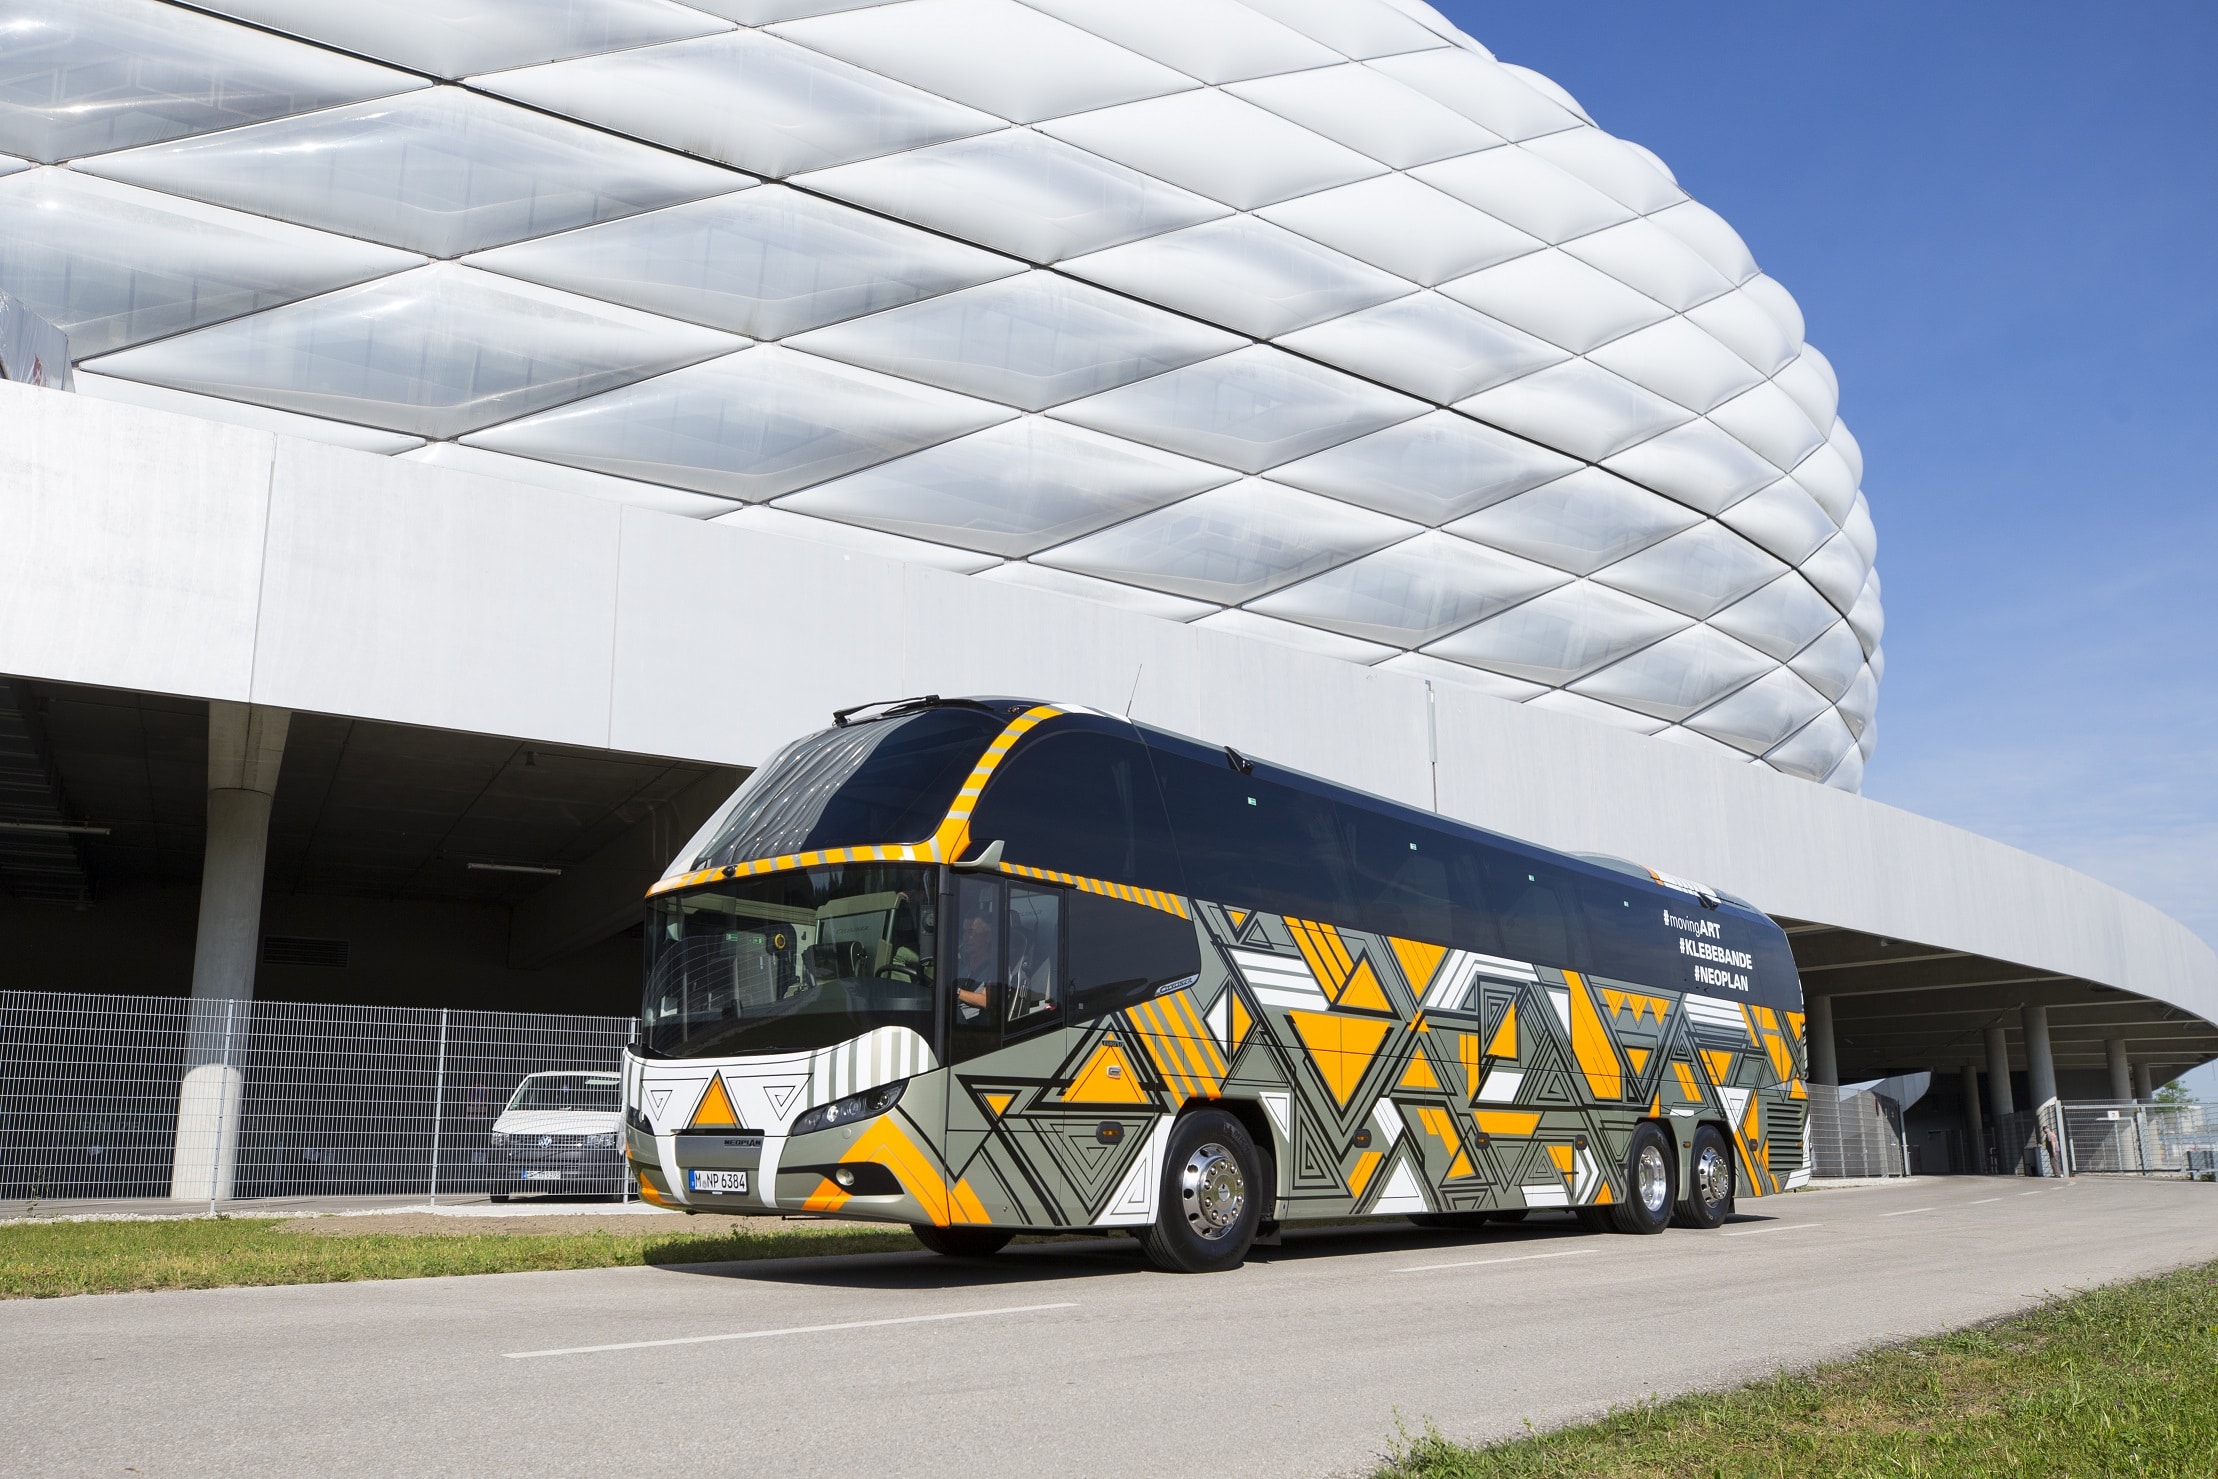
[438, 1104]
[223, 1095]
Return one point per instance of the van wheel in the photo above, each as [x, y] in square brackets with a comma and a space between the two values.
[1650, 1183]
[963, 1242]
[1211, 1199]
[500, 1196]
[1710, 1182]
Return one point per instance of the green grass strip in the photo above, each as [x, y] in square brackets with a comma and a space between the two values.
[43, 1259]
[2122, 1380]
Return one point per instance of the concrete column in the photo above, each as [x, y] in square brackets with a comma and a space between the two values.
[1998, 1074]
[2121, 1077]
[246, 746]
[2040, 1064]
[2144, 1084]
[1975, 1128]
[1825, 1064]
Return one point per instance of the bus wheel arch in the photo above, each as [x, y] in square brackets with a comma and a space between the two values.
[1253, 1118]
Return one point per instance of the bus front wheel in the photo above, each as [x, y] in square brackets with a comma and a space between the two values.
[1709, 1195]
[1212, 1196]
[963, 1242]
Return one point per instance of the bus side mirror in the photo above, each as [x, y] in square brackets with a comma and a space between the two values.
[985, 862]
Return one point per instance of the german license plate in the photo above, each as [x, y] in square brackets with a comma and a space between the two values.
[542, 1175]
[735, 1181]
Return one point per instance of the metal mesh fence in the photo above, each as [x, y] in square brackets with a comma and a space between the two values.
[105, 1097]
[1855, 1135]
[2124, 1136]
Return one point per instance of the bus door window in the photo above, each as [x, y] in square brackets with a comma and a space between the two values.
[978, 982]
[1035, 977]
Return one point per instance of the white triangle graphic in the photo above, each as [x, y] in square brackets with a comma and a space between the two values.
[1401, 1193]
[1219, 1018]
[656, 1099]
[1132, 1197]
[1276, 1106]
[780, 1097]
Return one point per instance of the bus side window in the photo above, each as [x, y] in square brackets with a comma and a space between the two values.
[1123, 953]
[1400, 874]
[1247, 840]
[975, 1002]
[1534, 903]
[1080, 802]
[1035, 987]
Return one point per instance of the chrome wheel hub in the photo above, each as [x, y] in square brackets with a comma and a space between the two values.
[1713, 1176]
[1653, 1179]
[1213, 1191]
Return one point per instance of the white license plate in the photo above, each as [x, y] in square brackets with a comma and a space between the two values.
[542, 1175]
[716, 1181]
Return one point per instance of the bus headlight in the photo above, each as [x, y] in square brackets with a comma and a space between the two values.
[866, 1105]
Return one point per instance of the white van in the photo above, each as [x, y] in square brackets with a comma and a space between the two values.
[559, 1133]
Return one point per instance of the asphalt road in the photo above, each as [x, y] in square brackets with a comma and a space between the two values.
[1064, 1358]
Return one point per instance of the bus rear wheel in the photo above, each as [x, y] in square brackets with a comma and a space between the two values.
[963, 1242]
[1650, 1174]
[1212, 1196]
[1709, 1182]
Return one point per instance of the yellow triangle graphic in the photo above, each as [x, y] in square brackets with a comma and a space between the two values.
[1719, 1063]
[1107, 1078]
[1240, 1022]
[999, 1103]
[1504, 1042]
[1640, 1060]
[1363, 990]
[1239, 918]
[1360, 1177]
[1418, 961]
[1419, 1074]
[1460, 1166]
[1341, 1047]
[715, 1111]
[1615, 1001]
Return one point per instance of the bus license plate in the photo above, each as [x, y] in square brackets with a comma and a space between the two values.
[734, 1181]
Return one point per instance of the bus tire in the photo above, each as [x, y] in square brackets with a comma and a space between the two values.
[1651, 1174]
[1710, 1177]
[963, 1242]
[1212, 1196]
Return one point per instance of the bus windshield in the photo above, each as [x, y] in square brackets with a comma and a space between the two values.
[789, 961]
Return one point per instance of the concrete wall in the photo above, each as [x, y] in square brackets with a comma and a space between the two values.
[155, 552]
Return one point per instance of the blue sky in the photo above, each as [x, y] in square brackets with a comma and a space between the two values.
[2002, 225]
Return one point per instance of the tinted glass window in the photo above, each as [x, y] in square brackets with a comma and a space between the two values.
[888, 781]
[1122, 953]
[1402, 872]
[1080, 802]
[1253, 841]
[1535, 908]
[1624, 937]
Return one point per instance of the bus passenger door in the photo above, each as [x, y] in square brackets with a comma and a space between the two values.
[1006, 1036]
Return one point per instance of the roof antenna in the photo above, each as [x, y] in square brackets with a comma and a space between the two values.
[1135, 693]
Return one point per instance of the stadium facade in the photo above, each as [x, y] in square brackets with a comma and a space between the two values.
[608, 390]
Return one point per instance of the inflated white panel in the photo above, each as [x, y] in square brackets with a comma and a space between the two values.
[1783, 519]
[1831, 663]
[1837, 572]
[1857, 704]
[1858, 527]
[1804, 379]
[1410, 593]
[1255, 158]
[1022, 192]
[1555, 637]
[1579, 407]
[1680, 363]
[1231, 544]
[1251, 409]
[1780, 304]
[1850, 452]
[995, 55]
[111, 265]
[1482, 90]
[1761, 715]
[1032, 341]
[458, 37]
[1866, 616]
[1703, 569]
[1247, 622]
[436, 352]
[442, 172]
[1578, 523]
[1779, 620]
[858, 540]
[1560, 298]
[88, 76]
[1644, 255]
[1813, 753]
[747, 426]
[1104, 592]
[1012, 489]
[746, 98]
[1213, 40]
[240, 413]
[1697, 464]
[1461, 675]
[765, 263]
[1244, 273]
[1428, 345]
[1355, 28]
[1705, 230]
[1739, 323]
[1564, 701]
[1368, 110]
[1765, 419]
[1684, 673]
[1826, 476]
[1612, 166]
[1406, 227]
[571, 480]
[1518, 186]
[1428, 470]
